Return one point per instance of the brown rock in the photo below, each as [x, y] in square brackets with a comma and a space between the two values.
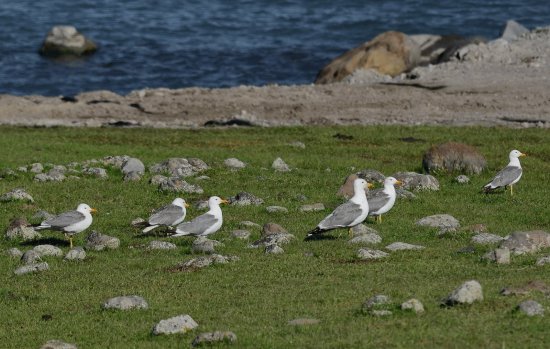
[453, 157]
[346, 190]
[390, 53]
[273, 228]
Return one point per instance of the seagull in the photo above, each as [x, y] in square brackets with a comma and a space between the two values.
[382, 200]
[508, 176]
[72, 222]
[169, 215]
[205, 224]
[349, 214]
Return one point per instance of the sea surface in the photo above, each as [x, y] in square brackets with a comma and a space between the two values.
[176, 43]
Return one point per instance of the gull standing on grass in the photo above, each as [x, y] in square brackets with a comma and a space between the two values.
[508, 176]
[382, 200]
[348, 214]
[71, 223]
[205, 224]
[169, 215]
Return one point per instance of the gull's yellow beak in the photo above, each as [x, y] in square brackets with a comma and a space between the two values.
[186, 205]
[398, 182]
[369, 185]
[93, 210]
[224, 201]
[522, 154]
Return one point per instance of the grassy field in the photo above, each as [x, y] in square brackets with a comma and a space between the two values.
[257, 296]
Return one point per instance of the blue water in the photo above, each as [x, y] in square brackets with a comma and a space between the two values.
[175, 43]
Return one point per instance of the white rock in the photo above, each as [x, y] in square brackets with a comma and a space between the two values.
[467, 293]
[413, 304]
[280, 166]
[48, 250]
[234, 163]
[399, 246]
[367, 253]
[126, 303]
[177, 324]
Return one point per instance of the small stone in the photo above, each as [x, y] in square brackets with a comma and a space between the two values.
[367, 253]
[16, 194]
[97, 242]
[273, 228]
[95, 172]
[371, 175]
[280, 166]
[180, 167]
[201, 205]
[417, 181]
[312, 208]
[66, 41]
[30, 257]
[52, 176]
[178, 185]
[273, 239]
[31, 268]
[177, 324]
[414, 305]
[249, 224]
[42, 215]
[445, 222]
[14, 252]
[363, 229]
[377, 305]
[209, 338]
[404, 194]
[204, 261]
[76, 254]
[381, 312]
[453, 157]
[133, 165]
[303, 321]
[132, 177]
[158, 179]
[301, 197]
[234, 164]
[22, 169]
[36, 168]
[205, 245]
[19, 229]
[240, 234]
[400, 246]
[467, 293]
[531, 308]
[114, 161]
[245, 199]
[500, 256]
[486, 238]
[543, 260]
[48, 250]
[57, 344]
[462, 179]
[466, 250]
[368, 239]
[137, 222]
[126, 303]
[276, 209]
[274, 249]
[161, 245]
[297, 144]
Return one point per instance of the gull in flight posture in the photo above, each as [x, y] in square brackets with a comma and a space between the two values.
[508, 176]
[205, 224]
[169, 215]
[382, 200]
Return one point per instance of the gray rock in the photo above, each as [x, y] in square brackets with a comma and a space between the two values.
[16, 194]
[234, 164]
[417, 181]
[273, 228]
[132, 177]
[381, 312]
[204, 245]
[95, 172]
[57, 344]
[158, 179]
[280, 166]
[201, 205]
[377, 305]
[363, 229]
[48, 250]
[400, 246]
[178, 185]
[209, 338]
[177, 324]
[414, 305]
[486, 239]
[303, 322]
[31, 268]
[452, 157]
[245, 199]
[76, 254]
[60, 168]
[179, 167]
[98, 242]
[404, 194]
[467, 293]
[36, 168]
[51, 176]
[513, 30]
[276, 209]
[133, 165]
[126, 303]
[161, 245]
[531, 308]
[22, 169]
[444, 222]
[297, 144]
[273, 239]
[113, 161]
[249, 224]
[137, 222]
[204, 261]
[526, 242]
[14, 252]
[367, 253]
[543, 260]
[462, 179]
[274, 249]
[368, 239]
[371, 176]
[42, 215]
[19, 229]
[65, 40]
[240, 234]
[500, 256]
[312, 208]
[30, 257]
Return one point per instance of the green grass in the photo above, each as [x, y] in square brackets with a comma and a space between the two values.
[256, 296]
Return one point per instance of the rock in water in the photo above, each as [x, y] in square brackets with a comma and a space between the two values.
[65, 40]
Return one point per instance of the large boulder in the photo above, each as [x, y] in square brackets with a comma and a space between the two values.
[65, 40]
[526, 242]
[390, 53]
[453, 157]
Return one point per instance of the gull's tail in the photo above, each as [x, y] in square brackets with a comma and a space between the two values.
[311, 234]
[149, 228]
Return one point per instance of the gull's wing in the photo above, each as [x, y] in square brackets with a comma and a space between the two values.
[198, 225]
[506, 176]
[166, 215]
[377, 199]
[342, 216]
[64, 220]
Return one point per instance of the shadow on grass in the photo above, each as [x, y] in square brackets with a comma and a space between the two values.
[46, 241]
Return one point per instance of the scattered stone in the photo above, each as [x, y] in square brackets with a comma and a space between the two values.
[273, 228]
[209, 338]
[381, 312]
[19, 229]
[445, 222]
[133, 165]
[404, 194]
[158, 179]
[513, 30]
[531, 308]
[31, 268]
[526, 242]
[48, 250]
[467, 293]
[363, 229]
[16, 194]
[95, 172]
[400, 246]
[132, 177]
[274, 249]
[371, 176]
[273, 239]
[414, 305]
[240, 234]
[14, 252]
[312, 208]
[466, 250]
[42, 215]
[36, 168]
[276, 209]
[204, 245]
[51, 176]
[234, 164]
[297, 144]
[65, 40]
[178, 185]
[113, 161]
[98, 242]
[368, 239]
[180, 167]
[76, 254]
[534, 285]
[280, 166]
[30, 257]
[161, 245]
[417, 181]
[177, 324]
[543, 260]
[22, 169]
[203, 261]
[245, 199]
[500, 256]
[462, 179]
[201, 205]
[303, 321]
[367, 253]
[249, 224]
[126, 303]
[453, 157]
[486, 239]
[376, 305]
[57, 344]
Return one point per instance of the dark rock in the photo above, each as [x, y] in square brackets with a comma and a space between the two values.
[245, 199]
[453, 157]
[30, 257]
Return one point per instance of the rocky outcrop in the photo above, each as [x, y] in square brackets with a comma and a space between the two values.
[65, 40]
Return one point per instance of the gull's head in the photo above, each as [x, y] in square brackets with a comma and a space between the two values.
[83, 208]
[216, 201]
[514, 154]
[180, 202]
[361, 184]
[392, 181]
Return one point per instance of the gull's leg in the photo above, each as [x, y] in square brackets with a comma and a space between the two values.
[511, 189]
[71, 241]
[380, 218]
[350, 232]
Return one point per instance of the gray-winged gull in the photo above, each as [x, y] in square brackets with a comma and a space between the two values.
[382, 200]
[72, 222]
[508, 176]
[205, 224]
[169, 215]
[347, 215]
